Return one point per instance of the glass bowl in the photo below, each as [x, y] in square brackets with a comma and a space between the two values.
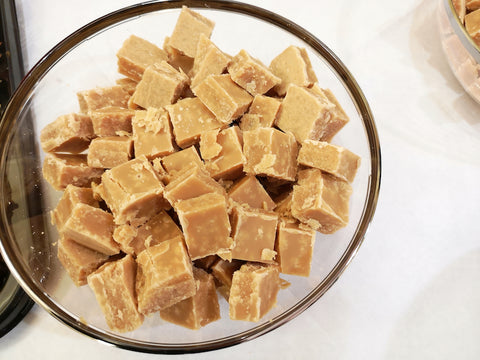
[86, 59]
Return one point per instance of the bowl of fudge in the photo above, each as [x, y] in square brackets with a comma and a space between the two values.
[459, 25]
[185, 176]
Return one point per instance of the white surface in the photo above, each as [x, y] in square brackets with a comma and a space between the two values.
[412, 291]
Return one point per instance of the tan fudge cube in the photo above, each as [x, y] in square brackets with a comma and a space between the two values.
[330, 158]
[270, 152]
[102, 97]
[294, 248]
[133, 240]
[112, 121]
[61, 170]
[262, 113]
[321, 201]
[205, 225]
[114, 287]
[198, 310]
[164, 276]
[251, 74]
[152, 133]
[127, 84]
[250, 191]
[190, 25]
[472, 5]
[79, 261]
[91, 227]
[176, 58]
[161, 85]
[191, 183]
[292, 66]
[182, 160]
[109, 151]
[133, 192]
[210, 60]
[223, 97]
[136, 54]
[223, 152]
[68, 133]
[223, 271]
[190, 117]
[472, 25]
[70, 197]
[254, 291]
[253, 233]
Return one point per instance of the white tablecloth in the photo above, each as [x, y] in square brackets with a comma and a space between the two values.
[413, 290]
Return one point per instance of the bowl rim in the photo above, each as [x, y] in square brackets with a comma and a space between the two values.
[339, 69]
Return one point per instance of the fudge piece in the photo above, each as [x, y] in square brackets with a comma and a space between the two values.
[472, 25]
[114, 287]
[70, 197]
[205, 225]
[128, 84]
[91, 227]
[210, 60]
[79, 261]
[294, 248]
[253, 292]
[133, 192]
[137, 54]
[223, 152]
[472, 5]
[292, 66]
[190, 25]
[250, 191]
[460, 8]
[164, 276]
[176, 58]
[61, 170]
[333, 159]
[270, 152]
[262, 113]
[152, 133]
[223, 271]
[102, 97]
[68, 133]
[190, 117]
[253, 233]
[161, 85]
[198, 310]
[251, 74]
[182, 160]
[109, 151]
[223, 97]
[321, 201]
[191, 183]
[111, 121]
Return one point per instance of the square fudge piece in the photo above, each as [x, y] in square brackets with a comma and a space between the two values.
[128, 84]
[152, 133]
[321, 201]
[253, 233]
[294, 248]
[68, 133]
[472, 25]
[133, 192]
[109, 151]
[181, 160]
[205, 225]
[133, 240]
[223, 152]
[164, 276]
[254, 291]
[79, 261]
[198, 310]
[190, 25]
[335, 160]
[293, 66]
[176, 58]
[102, 97]
[251, 74]
[249, 191]
[114, 287]
[91, 227]
[262, 113]
[223, 97]
[270, 152]
[61, 170]
[190, 117]
[161, 85]
[112, 121]
[223, 271]
[137, 54]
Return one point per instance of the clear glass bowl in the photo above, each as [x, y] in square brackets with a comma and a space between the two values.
[87, 59]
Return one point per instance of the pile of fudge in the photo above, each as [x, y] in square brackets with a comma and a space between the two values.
[196, 175]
